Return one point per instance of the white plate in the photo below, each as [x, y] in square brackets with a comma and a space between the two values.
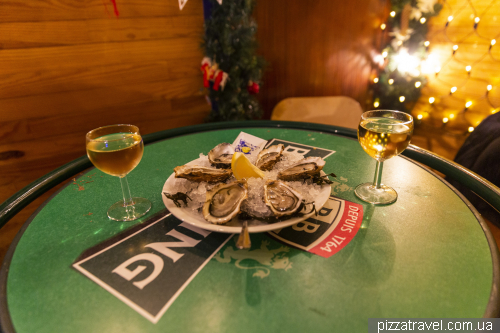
[234, 226]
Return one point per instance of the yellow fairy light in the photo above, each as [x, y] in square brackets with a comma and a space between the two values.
[418, 84]
[445, 120]
[438, 69]
[455, 47]
[450, 18]
[493, 42]
[376, 104]
[453, 89]
[468, 104]
[431, 100]
[451, 116]
[391, 81]
[422, 20]
[385, 54]
[420, 116]
[468, 68]
[401, 99]
[477, 19]
[393, 13]
[427, 43]
[489, 87]
[383, 26]
[471, 129]
[375, 80]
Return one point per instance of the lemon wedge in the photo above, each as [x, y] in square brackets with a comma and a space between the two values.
[242, 168]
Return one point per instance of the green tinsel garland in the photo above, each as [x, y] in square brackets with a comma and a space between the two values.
[229, 41]
[388, 95]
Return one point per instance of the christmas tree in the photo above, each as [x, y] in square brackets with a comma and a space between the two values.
[231, 68]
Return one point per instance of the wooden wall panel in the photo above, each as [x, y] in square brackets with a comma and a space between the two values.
[69, 66]
[317, 48]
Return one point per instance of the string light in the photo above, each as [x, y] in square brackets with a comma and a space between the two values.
[419, 117]
[401, 99]
[375, 80]
[476, 22]
[445, 120]
[453, 90]
[455, 48]
[489, 87]
[422, 20]
[427, 43]
[383, 26]
[468, 69]
[493, 42]
[418, 84]
[431, 100]
[438, 69]
[393, 14]
[391, 81]
[376, 104]
[450, 18]
[385, 54]
[468, 104]
[471, 129]
[451, 116]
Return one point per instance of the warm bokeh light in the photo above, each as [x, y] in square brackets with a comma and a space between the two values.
[401, 99]
[431, 100]
[451, 116]
[422, 20]
[420, 116]
[453, 89]
[418, 84]
[407, 63]
[477, 19]
[450, 18]
[468, 68]
[468, 104]
[493, 42]
[393, 14]
[489, 87]
[430, 64]
[391, 81]
[385, 54]
[383, 26]
[376, 104]
[471, 129]
[455, 47]
[375, 80]
[445, 120]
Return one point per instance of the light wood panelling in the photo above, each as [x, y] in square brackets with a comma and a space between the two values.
[69, 66]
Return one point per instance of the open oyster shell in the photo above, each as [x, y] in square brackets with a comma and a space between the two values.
[305, 168]
[202, 174]
[281, 198]
[268, 157]
[224, 202]
[221, 155]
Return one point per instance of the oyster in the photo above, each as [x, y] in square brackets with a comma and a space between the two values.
[224, 201]
[268, 157]
[281, 198]
[306, 168]
[202, 174]
[221, 155]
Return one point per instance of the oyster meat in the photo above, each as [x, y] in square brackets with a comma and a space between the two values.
[202, 174]
[281, 198]
[306, 168]
[221, 155]
[224, 202]
[268, 157]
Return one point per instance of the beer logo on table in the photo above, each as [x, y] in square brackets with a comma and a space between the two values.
[137, 267]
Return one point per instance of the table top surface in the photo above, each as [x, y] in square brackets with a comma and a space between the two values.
[424, 256]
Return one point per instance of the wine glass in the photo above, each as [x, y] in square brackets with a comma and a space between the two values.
[382, 134]
[117, 150]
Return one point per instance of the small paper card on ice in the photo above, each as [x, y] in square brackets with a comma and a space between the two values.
[327, 233]
[248, 144]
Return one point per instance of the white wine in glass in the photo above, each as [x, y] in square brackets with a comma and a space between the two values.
[382, 134]
[117, 150]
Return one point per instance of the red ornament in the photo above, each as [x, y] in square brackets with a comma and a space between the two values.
[253, 87]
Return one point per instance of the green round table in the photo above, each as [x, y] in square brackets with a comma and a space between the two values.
[428, 255]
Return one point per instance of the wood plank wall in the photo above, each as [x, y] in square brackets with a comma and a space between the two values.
[69, 66]
[318, 48]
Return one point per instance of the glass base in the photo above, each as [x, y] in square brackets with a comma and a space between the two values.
[119, 212]
[378, 196]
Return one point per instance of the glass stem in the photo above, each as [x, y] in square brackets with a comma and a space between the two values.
[127, 198]
[378, 174]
